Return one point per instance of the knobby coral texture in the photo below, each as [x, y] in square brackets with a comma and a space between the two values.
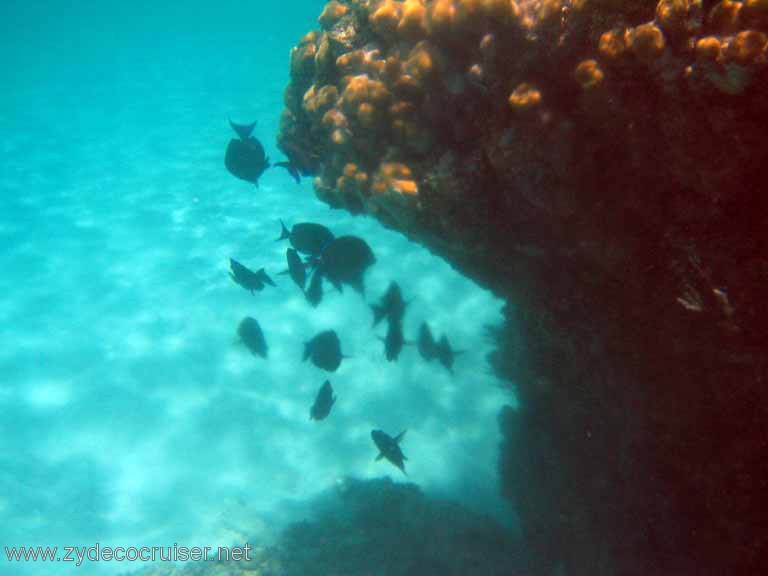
[602, 164]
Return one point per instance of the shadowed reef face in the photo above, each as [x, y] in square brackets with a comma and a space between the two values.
[601, 166]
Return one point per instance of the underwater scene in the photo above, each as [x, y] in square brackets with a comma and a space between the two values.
[383, 287]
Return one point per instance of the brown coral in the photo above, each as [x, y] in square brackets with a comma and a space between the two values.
[413, 20]
[708, 50]
[524, 96]
[588, 74]
[394, 177]
[386, 17]
[746, 47]
[646, 42]
[331, 14]
[724, 18]
[671, 15]
[613, 44]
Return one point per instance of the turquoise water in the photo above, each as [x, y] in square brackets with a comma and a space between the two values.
[130, 415]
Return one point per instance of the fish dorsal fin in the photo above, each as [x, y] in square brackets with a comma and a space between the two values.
[400, 437]
[243, 130]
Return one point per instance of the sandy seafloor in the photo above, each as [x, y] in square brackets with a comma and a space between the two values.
[128, 413]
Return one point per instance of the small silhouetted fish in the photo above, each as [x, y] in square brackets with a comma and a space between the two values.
[427, 344]
[389, 448]
[307, 237]
[292, 170]
[393, 343]
[296, 268]
[391, 305]
[247, 278]
[245, 157]
[251, 335]
[345, 260]
[323, 402]
[314, 293]
[445, 354]
[324, 350]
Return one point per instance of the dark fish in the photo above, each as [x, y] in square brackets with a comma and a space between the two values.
[292, 170]
[324, 350]
[323, 402]
[445, 354]
[307, 237]
[393, 343]
[262, 275]
[314, 293]
[391, 305]
[247, 278]
[389, 448]
[427, 344]
[251, 335]
[345, 260]
[245, 157]
[296, 268]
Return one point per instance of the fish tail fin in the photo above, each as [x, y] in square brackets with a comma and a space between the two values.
[284, 233]
[400, 436]
[243, 130]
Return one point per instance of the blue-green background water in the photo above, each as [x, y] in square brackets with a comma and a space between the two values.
[128, 414]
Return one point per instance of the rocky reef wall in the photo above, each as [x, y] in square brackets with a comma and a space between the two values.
[603, 166]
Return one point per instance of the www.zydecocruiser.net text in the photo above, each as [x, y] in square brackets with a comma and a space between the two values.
[98, 553]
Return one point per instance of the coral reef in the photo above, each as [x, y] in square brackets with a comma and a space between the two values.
[378, 527]
[602, 166]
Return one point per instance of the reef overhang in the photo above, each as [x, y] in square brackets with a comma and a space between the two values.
[602, 166]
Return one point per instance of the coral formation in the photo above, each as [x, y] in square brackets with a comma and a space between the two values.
[376, 527]
[604, 163]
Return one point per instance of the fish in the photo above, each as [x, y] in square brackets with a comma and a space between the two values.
[314, 293]
[323, 402]
[389, 448]
[292, 169]
[248, 279]
[296, 268]
[427, 344]
[391, 305]
[245, 157]
[324, 350]
[251, 335]
[445, 354]
[345, 260]
[393, 343]
[262, 275]
[307, 237]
